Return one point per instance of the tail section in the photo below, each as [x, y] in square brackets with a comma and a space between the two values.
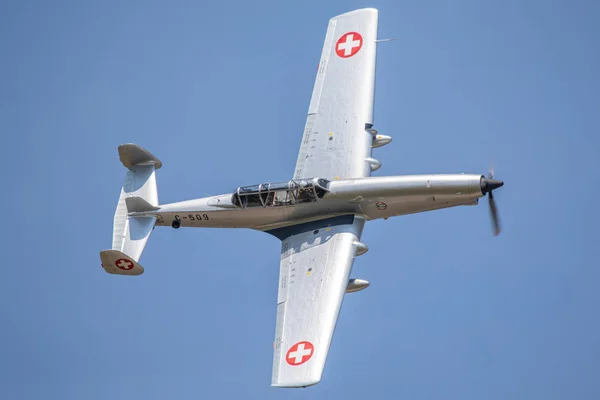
[132, 225]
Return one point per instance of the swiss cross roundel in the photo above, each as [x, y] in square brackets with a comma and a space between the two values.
[124, 264]
[299, 353]
[349, 44]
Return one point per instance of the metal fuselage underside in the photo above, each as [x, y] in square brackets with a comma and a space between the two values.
[371, 197]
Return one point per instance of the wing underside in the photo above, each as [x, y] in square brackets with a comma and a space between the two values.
[317, 257]
[335, 143]
[314, 271]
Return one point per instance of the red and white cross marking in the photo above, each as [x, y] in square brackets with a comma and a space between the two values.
[349, 44]
[124, 264]
[299, 353]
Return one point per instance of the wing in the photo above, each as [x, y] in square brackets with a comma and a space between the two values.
[336, 144]
[316, 260]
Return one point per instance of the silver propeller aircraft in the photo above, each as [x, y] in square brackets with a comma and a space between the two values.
[319, 215]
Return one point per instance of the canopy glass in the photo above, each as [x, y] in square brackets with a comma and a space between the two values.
[279, 194]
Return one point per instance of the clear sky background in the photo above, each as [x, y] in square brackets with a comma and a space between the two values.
[219, 92]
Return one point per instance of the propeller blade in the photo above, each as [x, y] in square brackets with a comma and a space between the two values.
[494, 214]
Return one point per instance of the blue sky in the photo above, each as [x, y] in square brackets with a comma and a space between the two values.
[219, 92]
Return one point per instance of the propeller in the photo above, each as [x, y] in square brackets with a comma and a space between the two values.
[488, 185]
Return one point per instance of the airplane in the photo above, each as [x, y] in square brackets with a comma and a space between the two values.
[318, 215]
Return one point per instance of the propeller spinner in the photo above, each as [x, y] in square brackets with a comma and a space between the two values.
[488, 185]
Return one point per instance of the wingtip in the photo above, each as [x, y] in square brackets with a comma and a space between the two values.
[295, 385]
[360, 10]
[296, 382]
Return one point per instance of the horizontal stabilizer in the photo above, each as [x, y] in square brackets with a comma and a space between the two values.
[131, 154]
[118, 263]
[137, 204]
[138, 195]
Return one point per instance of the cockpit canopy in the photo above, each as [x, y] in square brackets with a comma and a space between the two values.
[280, 193]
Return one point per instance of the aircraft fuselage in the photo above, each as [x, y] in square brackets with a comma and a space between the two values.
[370, 197]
